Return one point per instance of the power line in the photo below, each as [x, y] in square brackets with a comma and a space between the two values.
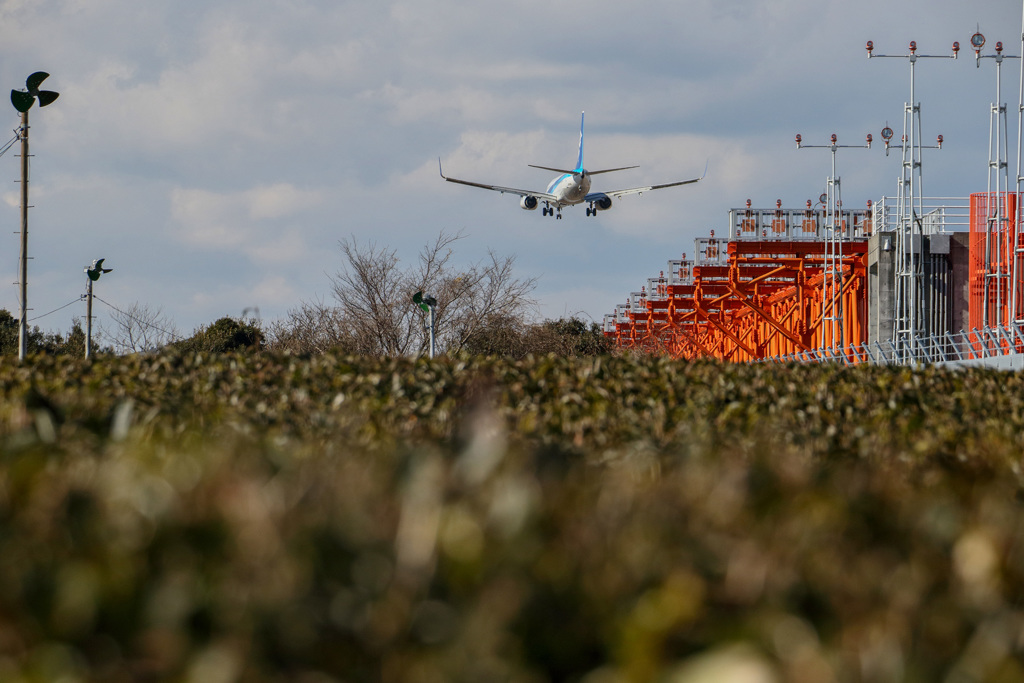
[9, 143]
[39, 317]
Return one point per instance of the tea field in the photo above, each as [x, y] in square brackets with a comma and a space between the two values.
[183, 517]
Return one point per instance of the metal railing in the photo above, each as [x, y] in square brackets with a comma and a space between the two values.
[973, 347]
[939, 214]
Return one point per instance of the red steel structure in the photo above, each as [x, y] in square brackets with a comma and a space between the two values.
[765, 292]
[770, 289]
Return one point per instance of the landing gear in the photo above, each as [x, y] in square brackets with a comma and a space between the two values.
[551, 211]
[591, 210]
[546, 210]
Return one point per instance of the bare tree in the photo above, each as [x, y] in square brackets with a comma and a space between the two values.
[313, 328]
[374, 293]
[478, 294]
[141, 328]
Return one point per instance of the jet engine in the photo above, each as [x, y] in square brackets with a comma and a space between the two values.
[529, 203]
[604, 202]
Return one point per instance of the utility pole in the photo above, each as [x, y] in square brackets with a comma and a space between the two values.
[23, 259]
[94, 271]
[23, 101]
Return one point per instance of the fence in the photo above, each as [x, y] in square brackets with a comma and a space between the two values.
[974, 347]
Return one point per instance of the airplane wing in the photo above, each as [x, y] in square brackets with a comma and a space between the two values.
[615, 194]
[498, 188]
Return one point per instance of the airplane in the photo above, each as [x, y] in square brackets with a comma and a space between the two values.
[570, 188]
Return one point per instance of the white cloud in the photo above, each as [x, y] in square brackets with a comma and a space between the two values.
[246, 220]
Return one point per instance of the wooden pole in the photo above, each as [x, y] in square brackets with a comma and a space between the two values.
[88, 320]
[23, 265]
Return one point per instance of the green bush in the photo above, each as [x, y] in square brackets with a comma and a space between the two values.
[222, 336]
[196, 516]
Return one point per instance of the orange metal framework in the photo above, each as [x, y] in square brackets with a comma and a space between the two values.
[996, 267]
[763, 299]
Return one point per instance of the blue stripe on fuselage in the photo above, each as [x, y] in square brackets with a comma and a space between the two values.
[556, 182]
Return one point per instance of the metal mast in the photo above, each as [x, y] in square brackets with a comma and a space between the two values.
[997, 288]
[832, 327]
[909, 269]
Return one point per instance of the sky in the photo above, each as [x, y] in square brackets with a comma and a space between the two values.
[215, 153]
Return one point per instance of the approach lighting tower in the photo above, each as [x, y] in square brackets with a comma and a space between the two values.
[832, 283]
[1000, 230]
[909, 270]
[23, 101]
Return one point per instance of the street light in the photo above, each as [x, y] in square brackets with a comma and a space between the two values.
[427, 303]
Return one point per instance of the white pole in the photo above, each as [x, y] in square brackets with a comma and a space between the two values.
[430, 324]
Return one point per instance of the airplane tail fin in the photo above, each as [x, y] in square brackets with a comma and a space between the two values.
[579, 159]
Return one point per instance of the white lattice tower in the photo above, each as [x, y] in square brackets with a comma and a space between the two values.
[832, 326]
[909, 270]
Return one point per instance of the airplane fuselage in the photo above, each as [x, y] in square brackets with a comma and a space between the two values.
[570, 188]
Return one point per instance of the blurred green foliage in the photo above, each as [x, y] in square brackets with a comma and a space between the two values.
[260, 517]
